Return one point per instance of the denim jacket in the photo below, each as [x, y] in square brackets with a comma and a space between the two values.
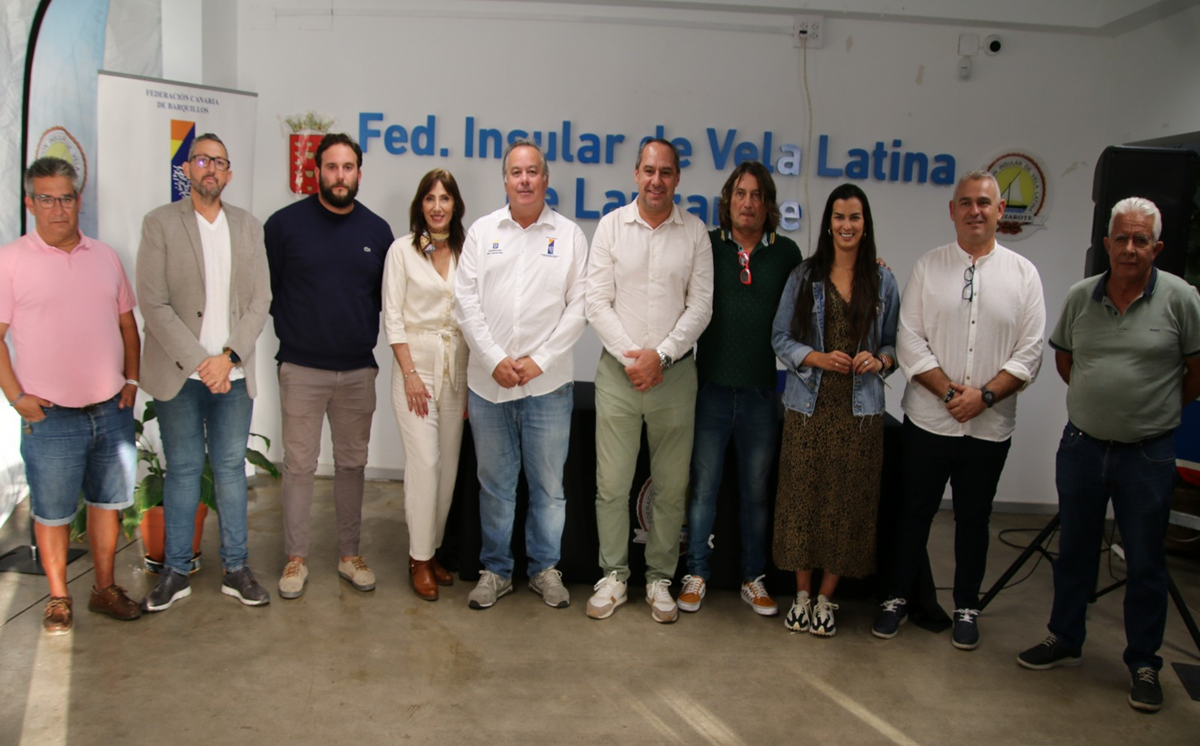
[803, 382]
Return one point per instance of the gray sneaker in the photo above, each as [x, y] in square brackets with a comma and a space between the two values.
[488, 590]
[241, 585]
[171, 587]
[548, 584]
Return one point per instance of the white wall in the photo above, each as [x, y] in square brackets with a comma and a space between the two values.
[1156, 80]
[625, 70]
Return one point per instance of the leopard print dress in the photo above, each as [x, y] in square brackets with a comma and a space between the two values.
[829, 467]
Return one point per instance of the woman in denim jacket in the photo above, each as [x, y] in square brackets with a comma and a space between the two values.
[835, 332]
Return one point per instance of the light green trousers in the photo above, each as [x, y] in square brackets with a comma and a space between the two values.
[669, 410]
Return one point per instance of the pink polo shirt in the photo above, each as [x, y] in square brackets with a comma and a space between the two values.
[61, 309]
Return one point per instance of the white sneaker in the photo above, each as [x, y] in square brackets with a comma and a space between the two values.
[610, 593]
[662, 606]
[822, 623]
[799, 619]
[755, 594]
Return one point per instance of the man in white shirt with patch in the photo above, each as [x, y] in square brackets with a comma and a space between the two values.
[520, 293]
[972, 331]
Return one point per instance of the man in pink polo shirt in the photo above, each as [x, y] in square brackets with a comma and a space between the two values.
[71, 373]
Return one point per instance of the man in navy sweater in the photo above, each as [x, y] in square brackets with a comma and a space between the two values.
[326, 255]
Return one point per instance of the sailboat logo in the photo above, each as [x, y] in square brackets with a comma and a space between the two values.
[1023, 189]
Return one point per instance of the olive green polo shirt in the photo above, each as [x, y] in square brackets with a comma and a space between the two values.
[1127, 369]
[735, 348]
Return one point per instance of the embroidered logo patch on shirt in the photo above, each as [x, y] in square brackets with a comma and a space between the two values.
[495, 248]
[550, 246]
[367, 249]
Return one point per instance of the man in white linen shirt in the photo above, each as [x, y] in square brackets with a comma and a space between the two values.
[972, 329]
[649, 296]
[520, 292]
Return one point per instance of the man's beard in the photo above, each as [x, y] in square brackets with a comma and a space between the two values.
[333, 199]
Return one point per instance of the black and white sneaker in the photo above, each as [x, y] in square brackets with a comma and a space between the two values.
[1047, 654]
[966, 631]
[171, 587]
[891, 615]
[1146, 692]
[241, 585]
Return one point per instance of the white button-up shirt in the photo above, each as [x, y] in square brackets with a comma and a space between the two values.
[218, 266]
[1002, 327]
[520, 292]
[649, 288]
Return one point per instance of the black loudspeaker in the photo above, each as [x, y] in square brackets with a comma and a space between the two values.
[1165, 176]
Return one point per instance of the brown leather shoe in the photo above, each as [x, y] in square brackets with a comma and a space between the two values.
[440, 574]
[113, 602]
[56, 619]
[422, 579]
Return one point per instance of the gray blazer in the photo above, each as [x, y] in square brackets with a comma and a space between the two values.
[171, 294]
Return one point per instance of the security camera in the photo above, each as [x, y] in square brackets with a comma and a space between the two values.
[993, 44]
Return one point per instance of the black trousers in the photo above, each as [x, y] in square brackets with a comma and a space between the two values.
[973, 467]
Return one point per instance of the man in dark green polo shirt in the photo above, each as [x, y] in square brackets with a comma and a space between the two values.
[735, 367]
[1128, 346]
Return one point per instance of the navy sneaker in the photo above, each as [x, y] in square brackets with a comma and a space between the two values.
[1146, 693]
[891, 615]
[1047, 654]
[241, 585]
[966, 631]
[171, 587]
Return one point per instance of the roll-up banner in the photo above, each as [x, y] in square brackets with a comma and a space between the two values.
[145, 128]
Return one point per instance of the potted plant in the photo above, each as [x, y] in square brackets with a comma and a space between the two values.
[146, 513]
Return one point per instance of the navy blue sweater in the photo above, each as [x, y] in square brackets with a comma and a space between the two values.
[326, 284]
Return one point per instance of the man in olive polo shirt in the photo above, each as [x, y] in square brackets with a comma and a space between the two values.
[735, 366]
[1128, 346]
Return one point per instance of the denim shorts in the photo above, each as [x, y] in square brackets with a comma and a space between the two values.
[90, 449]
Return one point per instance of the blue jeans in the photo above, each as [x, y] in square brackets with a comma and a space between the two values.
[1140, 479]
[184, 422]
[91, 449]
[534, 432]
[749, 415]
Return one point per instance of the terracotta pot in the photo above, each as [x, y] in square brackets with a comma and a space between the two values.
[153, 532]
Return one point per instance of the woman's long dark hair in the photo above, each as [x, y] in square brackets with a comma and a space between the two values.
[864, 303]
[416, 213]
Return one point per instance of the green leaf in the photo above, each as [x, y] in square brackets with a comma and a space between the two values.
[259, 459]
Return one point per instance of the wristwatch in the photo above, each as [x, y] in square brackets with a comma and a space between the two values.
[664, 360]
[233, 356]
[949, 395]
[989, 398]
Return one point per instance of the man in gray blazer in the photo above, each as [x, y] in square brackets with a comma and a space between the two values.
[204, 289]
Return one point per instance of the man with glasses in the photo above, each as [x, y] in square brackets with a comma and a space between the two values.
[649, 296]
[72, 377]
[1128, 347]
[735, 367]
[204, 289]
[326, 254]
[972, 323]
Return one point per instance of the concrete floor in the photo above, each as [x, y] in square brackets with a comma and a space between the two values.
[342, 667]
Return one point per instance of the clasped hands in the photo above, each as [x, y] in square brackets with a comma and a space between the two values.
[510, 373]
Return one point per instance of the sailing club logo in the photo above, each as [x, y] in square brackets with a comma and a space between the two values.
[1023, 188]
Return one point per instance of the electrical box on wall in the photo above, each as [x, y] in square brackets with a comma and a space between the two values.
[808, 31]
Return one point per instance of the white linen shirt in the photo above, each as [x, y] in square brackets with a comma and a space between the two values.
[218, 266]
[418, 310]
[520, 292]
[1002, 328]
[649, 288]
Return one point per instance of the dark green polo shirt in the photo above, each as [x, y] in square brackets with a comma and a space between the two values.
[1127, 369]
[735, 349]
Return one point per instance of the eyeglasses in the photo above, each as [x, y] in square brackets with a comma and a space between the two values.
[744, 260]
[46, 201]
[968, 293]
[1139, 240]
[203, 161]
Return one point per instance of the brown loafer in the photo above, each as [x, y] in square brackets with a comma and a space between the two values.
[423, 582]
[440, 574]
[115, 603]
[56, 619]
